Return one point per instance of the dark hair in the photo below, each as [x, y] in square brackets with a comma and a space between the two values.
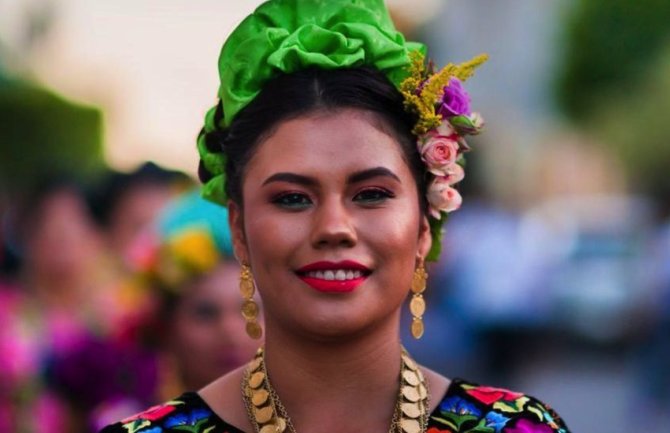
[290, 96]
[31, 209]
[115, 186]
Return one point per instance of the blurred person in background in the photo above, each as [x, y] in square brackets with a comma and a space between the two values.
[194, 277]
[191, 333]
[128, 203]
[61, 266]
[58, 304]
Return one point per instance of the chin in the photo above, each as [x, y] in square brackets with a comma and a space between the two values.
[334, 327]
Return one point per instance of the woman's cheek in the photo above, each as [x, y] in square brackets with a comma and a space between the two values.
[396, 232]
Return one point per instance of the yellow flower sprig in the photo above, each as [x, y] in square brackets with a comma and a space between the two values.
[422, 90]
[184, 256]
[440, 140]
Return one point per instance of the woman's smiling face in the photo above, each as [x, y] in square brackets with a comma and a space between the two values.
[330, 224]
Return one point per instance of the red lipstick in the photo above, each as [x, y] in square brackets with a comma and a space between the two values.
[312, 274]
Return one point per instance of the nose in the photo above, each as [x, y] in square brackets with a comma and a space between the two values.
[333, 225]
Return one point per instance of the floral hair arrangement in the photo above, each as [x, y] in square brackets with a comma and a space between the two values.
[180, 258]
[189, 241]
[444, 119]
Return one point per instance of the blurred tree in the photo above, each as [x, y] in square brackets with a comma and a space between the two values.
[41, 132]
[635, 124]
[608, 46]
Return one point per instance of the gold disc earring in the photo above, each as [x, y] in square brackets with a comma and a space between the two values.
[249, 306]
[417, 305]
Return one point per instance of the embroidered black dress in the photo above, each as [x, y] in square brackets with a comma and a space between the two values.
[465, 408]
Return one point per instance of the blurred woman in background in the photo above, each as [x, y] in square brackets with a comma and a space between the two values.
[191, 324]
[59, 303]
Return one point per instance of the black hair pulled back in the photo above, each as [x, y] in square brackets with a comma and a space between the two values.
[308, 91]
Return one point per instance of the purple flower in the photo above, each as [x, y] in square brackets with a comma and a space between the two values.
[455, 101]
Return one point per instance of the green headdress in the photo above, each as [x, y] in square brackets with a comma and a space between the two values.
[284, 36]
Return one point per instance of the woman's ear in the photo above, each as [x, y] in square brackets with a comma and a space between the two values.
[425, 240]
[236, 223]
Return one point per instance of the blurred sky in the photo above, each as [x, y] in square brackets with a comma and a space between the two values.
[149, 64]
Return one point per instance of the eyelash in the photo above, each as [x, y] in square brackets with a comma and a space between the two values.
[298, 200]
[282, 200]
[384, 193]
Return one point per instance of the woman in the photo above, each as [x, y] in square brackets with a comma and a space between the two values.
[189, 331]
[60, 302]
[333, 213]
[197, 324]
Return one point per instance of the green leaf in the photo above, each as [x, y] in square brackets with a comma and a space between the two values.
[436, 233]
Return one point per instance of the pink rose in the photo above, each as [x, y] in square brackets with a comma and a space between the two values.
[453, 174]
[439, 152]
[442, 197]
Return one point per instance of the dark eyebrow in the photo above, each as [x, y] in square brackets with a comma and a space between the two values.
[359, 176]
[291, 178]
[371, 173]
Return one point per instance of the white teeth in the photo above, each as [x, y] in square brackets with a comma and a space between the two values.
[339, 275]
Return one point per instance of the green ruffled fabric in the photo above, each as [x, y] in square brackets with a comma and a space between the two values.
[284, 36]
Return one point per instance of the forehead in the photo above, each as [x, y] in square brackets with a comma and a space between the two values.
[328, 143]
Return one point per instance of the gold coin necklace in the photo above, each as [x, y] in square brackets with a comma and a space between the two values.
[268, 415]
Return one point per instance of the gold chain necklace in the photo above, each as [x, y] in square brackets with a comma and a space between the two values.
[268, 415]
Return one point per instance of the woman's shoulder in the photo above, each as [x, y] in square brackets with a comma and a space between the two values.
[188, 412]
[470, 407]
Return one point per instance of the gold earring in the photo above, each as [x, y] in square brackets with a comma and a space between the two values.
[249, 306]
[417, 305]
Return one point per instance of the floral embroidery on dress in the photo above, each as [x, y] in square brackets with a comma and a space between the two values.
[154, 413]
[470, 408]
[190, 421]
[465, 408]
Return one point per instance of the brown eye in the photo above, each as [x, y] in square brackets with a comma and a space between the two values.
[373, 196]
[292, 200]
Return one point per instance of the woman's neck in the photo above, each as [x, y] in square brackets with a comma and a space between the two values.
[327, 387]
[322, 383]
